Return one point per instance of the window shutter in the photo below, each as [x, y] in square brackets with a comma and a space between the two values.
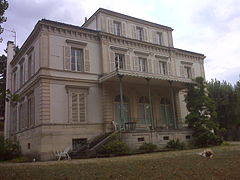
[156, 66]
[74, 107]
[82, 107]
[86, 61]
[134, 34]
[154, 37]
[150, 69]
[169, 68]
[182, 74]
[136, 63]
[32, 111]
[67, 57]
[145, 36]
[193, 72]
[103, 24]
[127, 61]
[110, 26]
[124, 29]
[112, 61]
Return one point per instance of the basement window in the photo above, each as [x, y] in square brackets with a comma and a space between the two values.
[140, 139]
[165, 138]
[188, 137]
[29, 146]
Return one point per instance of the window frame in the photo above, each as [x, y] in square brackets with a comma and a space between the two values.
[139, 33]
[159, 38]
[187, 72]
[76, 61]
[117, 28]
[163, 68]
[118, 59]
[143, 64]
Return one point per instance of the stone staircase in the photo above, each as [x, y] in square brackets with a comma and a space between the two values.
[91, 148]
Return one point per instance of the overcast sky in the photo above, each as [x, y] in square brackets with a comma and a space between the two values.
[211, 27]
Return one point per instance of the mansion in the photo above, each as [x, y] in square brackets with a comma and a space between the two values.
[113, 73]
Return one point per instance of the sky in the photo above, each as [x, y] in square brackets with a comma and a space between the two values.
[210, 27]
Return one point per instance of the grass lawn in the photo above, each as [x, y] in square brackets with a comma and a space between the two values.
[175, 165]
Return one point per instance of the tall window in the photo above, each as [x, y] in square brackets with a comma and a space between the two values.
[187, 72]
[162, 67]
[120, 61]
[76, 59]
[144, 110]
[78, 107]
[166, 113]
[21, 74]
[159, 38]
[29, 66]
[142, 64]
[139, 33]
[125, 110]
[31, 111]
[117, 28]
[14, 85]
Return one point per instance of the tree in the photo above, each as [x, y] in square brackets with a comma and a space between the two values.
[202, 115]
[3, 8]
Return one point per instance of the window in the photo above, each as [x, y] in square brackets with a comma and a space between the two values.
[140, 139]
[159, 38]
[76, 59]
[144, 110]
[139, 33]
[165, 138]
[120, 61]
[142, 64]
[78, 107]
[14, 85]
[162, 67]
[187, 72]
[31, 111]
[117, 28]
[21, 74]
[29, 66]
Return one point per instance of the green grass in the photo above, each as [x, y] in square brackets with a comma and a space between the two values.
[175, 165]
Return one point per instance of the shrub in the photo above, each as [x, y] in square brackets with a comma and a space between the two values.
[147, 147]
[175, 144]
[205, 138]
[9, 149]
[115, 147]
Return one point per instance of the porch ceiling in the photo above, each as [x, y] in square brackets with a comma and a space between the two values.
[139, 78]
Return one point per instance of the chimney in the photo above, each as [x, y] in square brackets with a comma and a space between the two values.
[85, 19]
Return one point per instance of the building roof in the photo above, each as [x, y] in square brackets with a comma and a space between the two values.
[113, 13]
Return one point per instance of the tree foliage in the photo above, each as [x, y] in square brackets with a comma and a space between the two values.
[227, 101]
[3, 8]
[202, 115]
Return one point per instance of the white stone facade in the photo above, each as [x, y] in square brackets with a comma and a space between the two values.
[67, 79]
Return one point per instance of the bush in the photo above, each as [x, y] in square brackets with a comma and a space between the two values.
[9, 149]
[116, 147]
[147, 147]
[175, 144]
[206, 138]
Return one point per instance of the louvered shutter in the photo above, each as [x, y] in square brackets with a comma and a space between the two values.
[110, 26]
[145, 35]
[32, 111]
[67, 57]
[169, 68]
[136, 63]
[82, 107]
[156, 66]
[33, 63]
[150, 69]
[182, 74]
[86, 61]
[74, 107]
[127, 60]
[134, 34]
[193, 72]
[124, 29]
[154, 37]
[112, 61]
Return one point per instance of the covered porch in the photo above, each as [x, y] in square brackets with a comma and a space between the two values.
[142, 102]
